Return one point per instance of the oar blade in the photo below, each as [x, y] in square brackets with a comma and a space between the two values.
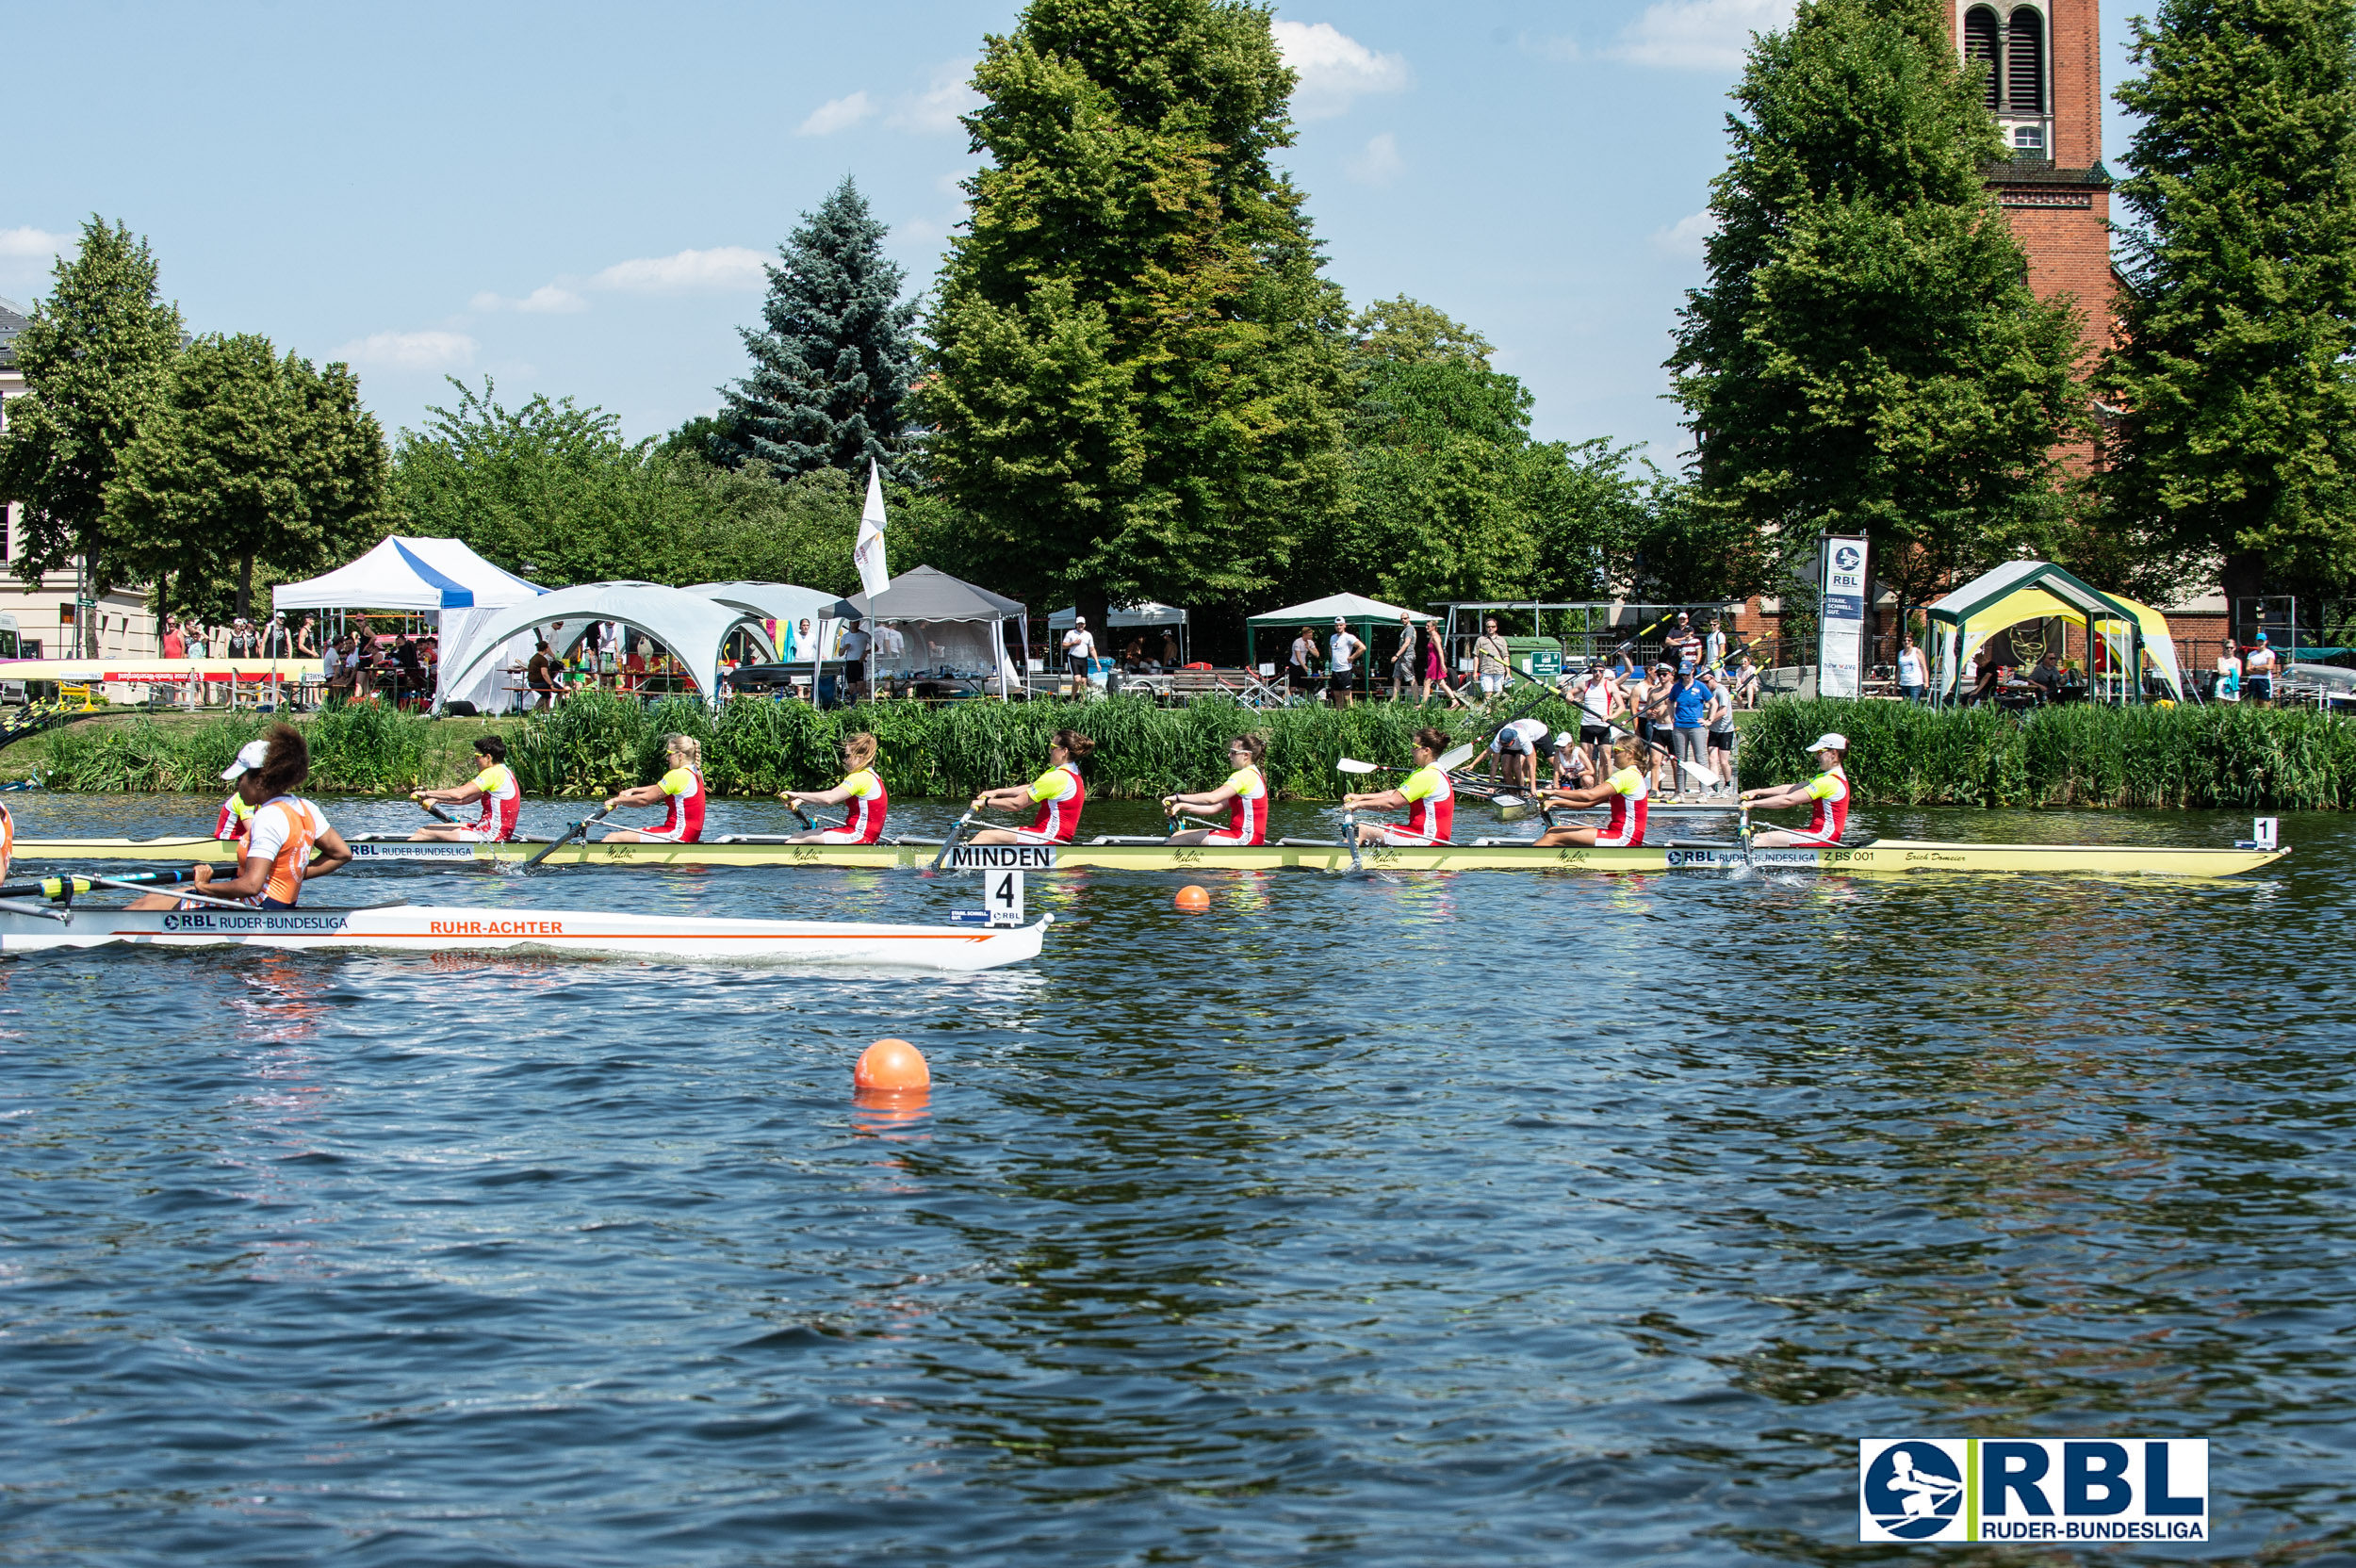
[1351, 764]
[1454, 757]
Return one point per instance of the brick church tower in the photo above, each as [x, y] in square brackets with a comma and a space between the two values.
[2045, 88]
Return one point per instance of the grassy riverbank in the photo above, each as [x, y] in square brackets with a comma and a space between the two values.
[2078, 755]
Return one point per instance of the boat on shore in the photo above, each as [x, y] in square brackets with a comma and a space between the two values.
[1861, 855]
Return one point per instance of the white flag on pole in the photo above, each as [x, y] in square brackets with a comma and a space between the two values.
[868, 554]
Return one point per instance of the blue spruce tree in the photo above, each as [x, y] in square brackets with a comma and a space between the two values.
[832, 361]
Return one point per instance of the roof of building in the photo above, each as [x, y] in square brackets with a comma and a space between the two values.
[2019, 170]
[12, 321]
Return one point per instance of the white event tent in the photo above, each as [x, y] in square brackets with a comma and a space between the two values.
[441, 578]
[786, 603]
[693, 627]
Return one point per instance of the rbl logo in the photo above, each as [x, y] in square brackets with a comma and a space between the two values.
[2067, 1490]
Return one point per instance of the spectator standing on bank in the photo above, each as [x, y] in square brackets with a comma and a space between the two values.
[1721, 730]
[1406, 659]
[1300, 669]
[1078, 649]
[1597, 695]
[1492, 658]
[1653, 724]
[855, 643]
[1692, 706]
[1342, 652]
[1713, 647]
[2228, 675]
[1914, 672]
[307, 637]
[2258, 672]
[174, 644]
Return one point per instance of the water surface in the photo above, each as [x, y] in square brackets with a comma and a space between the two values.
[1486, 1217]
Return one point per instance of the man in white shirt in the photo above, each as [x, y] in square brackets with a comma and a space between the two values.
[1341, 663]
[854, 654]
[1078, 649]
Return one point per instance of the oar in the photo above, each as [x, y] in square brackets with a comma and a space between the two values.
[947, 844]
[1447, 762]
[66, 886]
[799, 815]
[193, 897]
[567, 837]
[1350, 831]
[435, 809]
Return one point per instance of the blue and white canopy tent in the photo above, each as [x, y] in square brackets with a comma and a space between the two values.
[442, 579]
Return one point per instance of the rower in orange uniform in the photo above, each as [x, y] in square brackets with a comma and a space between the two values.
[288, 841]
[1058, 792]
[861, 793]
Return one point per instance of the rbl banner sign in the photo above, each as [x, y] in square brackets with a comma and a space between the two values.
[2081, 1491]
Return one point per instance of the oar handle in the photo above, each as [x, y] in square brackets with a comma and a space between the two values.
[58, 887]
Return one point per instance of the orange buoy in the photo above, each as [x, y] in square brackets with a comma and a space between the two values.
[1193, 898]
[892, 1064]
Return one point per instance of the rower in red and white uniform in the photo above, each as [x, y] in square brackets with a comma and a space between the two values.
[494, 785]
[862, 793]
[288, 841]
[1828, 792]
[1245, 794]
[1059, 793]
[1626, 787]
[1428, 793]
[680, 792]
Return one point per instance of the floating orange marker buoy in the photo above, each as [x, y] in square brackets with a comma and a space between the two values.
[892, 1064]
[1192, 897]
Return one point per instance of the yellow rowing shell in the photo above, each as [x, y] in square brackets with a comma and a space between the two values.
[1885, 855]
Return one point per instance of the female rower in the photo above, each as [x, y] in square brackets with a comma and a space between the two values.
[680, 792]
[1627, 791]
[288, 841]
[861, 791]
[1058, 793]
[1828, 792]
[494, 784]
[1427, 793]
[235, 813]
[1245, 794]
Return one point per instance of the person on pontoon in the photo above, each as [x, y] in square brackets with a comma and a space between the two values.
[1058, 793]
[1245, 794]
[1828, 792]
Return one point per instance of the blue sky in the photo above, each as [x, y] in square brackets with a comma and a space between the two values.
[577, 199]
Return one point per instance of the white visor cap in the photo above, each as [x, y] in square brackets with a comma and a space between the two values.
[249, 757]
[1829, 741]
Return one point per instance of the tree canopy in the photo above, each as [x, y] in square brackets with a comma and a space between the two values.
[1139, 372]
[2235, 436]
[1867, 355]
[96, 356]
[246, 460]
[833, 356]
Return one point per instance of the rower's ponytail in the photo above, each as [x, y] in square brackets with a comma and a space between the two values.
[1075, 744]
[858, 749]
[285, 763]
[687, 746]
[1256, 744]
[1433, 741]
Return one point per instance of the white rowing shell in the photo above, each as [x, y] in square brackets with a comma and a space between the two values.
[433, 928]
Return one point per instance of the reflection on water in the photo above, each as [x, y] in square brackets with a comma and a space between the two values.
[1481, 1217]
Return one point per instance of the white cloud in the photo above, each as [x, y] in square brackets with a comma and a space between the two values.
[937, 107]
[1698, 35]
[1333, 68]
[1379, 162]
[38, 244]
[1687, 236]
[724, 267]
[410, 350]
[837, 114]
[550, 298]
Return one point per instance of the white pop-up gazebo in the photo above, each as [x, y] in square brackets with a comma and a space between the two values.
[424, 575]
[695, 629]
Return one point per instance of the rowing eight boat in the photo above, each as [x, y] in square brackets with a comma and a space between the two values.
[1884, 855]
[432, 928]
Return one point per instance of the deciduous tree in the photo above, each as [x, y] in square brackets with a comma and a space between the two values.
[96, 357]
[1867, 355]
[2237, 433]
[1139, 371]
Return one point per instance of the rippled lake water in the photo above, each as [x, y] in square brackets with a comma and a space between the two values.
[1489, 1217]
